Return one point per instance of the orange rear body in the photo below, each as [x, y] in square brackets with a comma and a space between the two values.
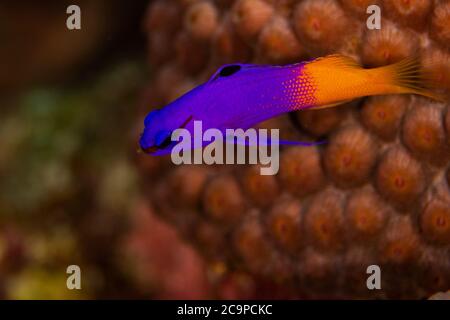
[338, 79]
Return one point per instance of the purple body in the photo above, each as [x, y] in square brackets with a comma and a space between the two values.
[236, 96]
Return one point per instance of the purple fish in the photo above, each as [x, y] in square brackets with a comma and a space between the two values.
[243, 95]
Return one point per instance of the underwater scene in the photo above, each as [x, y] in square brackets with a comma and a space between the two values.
[351, 202]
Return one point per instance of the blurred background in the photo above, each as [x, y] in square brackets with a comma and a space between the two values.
[69, 189]
[74, 190]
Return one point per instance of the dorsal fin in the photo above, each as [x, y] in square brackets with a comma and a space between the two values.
[337, 60]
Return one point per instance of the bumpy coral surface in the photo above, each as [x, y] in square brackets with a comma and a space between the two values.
[377, 193]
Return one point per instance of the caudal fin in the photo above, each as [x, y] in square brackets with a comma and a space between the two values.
[408, 76]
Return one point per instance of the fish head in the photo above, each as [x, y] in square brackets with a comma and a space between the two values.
[204, 103]
[159, 125]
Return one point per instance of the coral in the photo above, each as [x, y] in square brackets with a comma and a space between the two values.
[223, 200]
[350, 156]
[382, 115]
[228, 46]
[411, 13]
[388, 45]
[400, 243]
[435, 221]
[278, 43]
[377, 192]
[300, 170]
[262, 190]
[320, 25]
[319, 122]
[399, 177]
[250, 16]
[252, 245]
[437, 66]
[201, 20]
[423, 132]
[440, 25]
[358, 7]
[324, 221]
[366, 215]
[284, 223]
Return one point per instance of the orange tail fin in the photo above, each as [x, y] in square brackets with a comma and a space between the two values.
[339, 79]
[408, 76]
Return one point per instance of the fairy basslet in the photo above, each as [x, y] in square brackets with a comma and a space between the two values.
[242, 95]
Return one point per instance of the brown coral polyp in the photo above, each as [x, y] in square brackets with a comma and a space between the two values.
[162, 15]
[201, 20]
[223, 200]
[447, 124]
[440, 23]
[366, 214]
[300, 170]
[320, 25]
[400, 178]
[319, 122]
[435, 221]
[278, 43]
[210, 238]
[252, 246]
[186, 183]
[401, 242]
[250, 16]
[387, 45]
[228, 47]
[355, 263]
[324, 221]
[436, 64]
[350, 156]
[160, 49]
[358, 7]
[423, 132]
[261, 189]
[316, 273]
[382, 115]
[411, 13]
[433, 269]
[284, 224]
[191, 55]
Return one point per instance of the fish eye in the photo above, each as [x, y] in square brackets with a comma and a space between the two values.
[229, 70]
[226, 71]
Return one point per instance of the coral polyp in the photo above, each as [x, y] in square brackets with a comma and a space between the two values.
[250, 16]
[435, 221]
[278, 43]
[350, 157]
[423, 132]
[301, 172]
[366, 215]
[411, 13]
[388, 45]
[320, 25]
[382, 115]
[400, 178]
[201, 20]
[440, 25]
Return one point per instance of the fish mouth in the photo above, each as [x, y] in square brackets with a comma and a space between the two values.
[150, 150]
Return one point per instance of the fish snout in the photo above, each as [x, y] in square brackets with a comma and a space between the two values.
[145, 146]
[149, 150]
